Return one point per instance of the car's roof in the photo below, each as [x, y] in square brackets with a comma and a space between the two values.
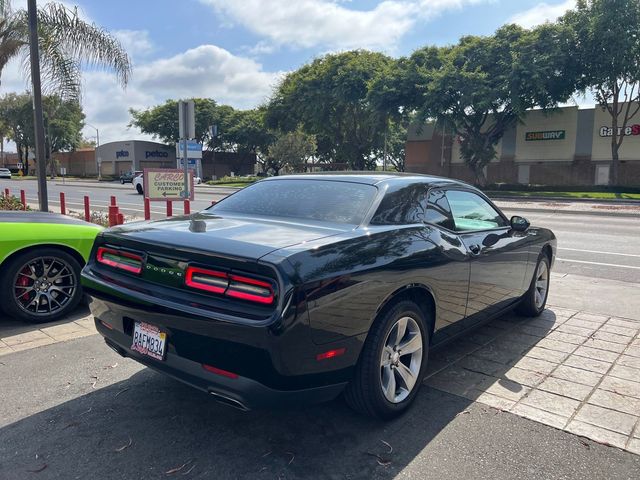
[374, 178]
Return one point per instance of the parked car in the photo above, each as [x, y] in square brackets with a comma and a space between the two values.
[41, 255]
[138, 183]
[129, 176]
[298, 288]
[5, 173]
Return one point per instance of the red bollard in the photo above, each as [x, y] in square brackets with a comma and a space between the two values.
[23, 199]
[120, 218]
[63, 205]
[87, 211]
[113, 215]
[113, 200]
[187, 207]
[169, 208]
[6, 192]
[147, 209]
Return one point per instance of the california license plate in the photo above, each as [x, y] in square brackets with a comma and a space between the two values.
[149, 340]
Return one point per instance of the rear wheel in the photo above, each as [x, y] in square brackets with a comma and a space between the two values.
[534, 301]
[139, 189]
[392, 363]
[40, 285]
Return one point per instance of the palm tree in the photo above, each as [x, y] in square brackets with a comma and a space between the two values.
[67, 43]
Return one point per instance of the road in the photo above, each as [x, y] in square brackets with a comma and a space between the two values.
[595, 246]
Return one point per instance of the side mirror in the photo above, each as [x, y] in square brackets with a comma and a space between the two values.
[519, 224]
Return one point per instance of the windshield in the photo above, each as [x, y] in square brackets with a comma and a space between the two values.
[319, 200]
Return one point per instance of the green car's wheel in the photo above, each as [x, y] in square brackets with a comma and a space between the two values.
[40, 285]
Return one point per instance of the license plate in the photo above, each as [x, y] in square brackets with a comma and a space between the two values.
[149, 340]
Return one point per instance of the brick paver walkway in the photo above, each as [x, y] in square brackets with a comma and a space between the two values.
[574, 371]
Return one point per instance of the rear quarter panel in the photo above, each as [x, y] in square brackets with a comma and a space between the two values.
[346, 282]
[15, 237]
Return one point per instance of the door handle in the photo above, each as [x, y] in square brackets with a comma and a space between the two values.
[475, 250]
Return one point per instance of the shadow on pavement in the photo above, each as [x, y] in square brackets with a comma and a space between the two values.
[10, 326]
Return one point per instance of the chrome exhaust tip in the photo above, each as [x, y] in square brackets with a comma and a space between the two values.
[231, 402]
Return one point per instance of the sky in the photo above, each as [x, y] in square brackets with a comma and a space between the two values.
[235, 51]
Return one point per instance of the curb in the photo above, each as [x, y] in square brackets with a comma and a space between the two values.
[575, 212]
[601, 201]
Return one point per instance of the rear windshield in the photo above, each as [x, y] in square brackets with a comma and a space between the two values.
[319, 200]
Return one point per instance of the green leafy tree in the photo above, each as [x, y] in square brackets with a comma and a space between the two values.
[607, 47]
[482, 86]
[66, 44]
[329, 99]
[395, 146]
[63, 122]
[292, 150]
[161, 121]
[16, 112]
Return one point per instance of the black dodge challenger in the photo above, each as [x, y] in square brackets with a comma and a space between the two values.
[299, 288]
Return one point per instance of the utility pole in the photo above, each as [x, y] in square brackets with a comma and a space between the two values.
[187, 130]
[38, 120]
[98, 159]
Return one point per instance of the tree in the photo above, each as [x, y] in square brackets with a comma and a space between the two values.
[161, 121]
[482, 86]
[17, 113]
[329, 99]
[66, 44]
[291, 150]
[63, 121]
[396, 142]
[607, 47]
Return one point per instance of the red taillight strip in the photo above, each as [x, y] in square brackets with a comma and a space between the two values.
[115, 264]
[190, 282]
[229, 289]
[250, 296]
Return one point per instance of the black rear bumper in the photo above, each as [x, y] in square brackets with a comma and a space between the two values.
[241, 392]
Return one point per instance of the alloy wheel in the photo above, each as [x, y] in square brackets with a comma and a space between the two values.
[401, 360]
[542, 284]
[44, 285]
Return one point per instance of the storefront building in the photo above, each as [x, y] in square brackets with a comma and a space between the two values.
[570, 146]
[116, 158]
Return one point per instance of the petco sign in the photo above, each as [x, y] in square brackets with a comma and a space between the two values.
[631, 130]
[156, 154]
[121, 154]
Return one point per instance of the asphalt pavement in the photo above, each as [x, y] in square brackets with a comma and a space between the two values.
[89, 413]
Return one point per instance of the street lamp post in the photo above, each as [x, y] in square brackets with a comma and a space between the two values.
[97, 147]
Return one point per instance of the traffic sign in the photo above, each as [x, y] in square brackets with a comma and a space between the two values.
[166, 184]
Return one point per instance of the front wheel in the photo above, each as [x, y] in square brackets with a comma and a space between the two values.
[392, 363]
[40, 285]
[139, 189]
[534, 300]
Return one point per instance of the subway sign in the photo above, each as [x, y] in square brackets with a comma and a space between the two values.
[629, 131]
[548, 135]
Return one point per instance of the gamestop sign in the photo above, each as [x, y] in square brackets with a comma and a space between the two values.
[629, 131]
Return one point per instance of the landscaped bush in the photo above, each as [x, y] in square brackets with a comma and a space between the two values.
[11, 203]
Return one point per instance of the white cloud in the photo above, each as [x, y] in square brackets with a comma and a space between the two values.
[309, 23]
[205, 71]
[331, 24]
[541, 13]
[135, 42]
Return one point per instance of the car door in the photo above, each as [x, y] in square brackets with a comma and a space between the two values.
[498, 255]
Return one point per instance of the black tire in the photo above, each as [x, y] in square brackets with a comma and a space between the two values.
[15, 305]
[122, 181]
[365, 392]
[528, 307]
[139, 189]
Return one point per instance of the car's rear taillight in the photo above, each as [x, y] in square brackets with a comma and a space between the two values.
[230, 285]
[127, 261]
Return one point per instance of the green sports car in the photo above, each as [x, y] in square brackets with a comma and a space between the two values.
[41, 255]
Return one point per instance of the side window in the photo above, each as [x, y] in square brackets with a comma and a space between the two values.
[438, 211]
[472, 212]
[404, 206]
